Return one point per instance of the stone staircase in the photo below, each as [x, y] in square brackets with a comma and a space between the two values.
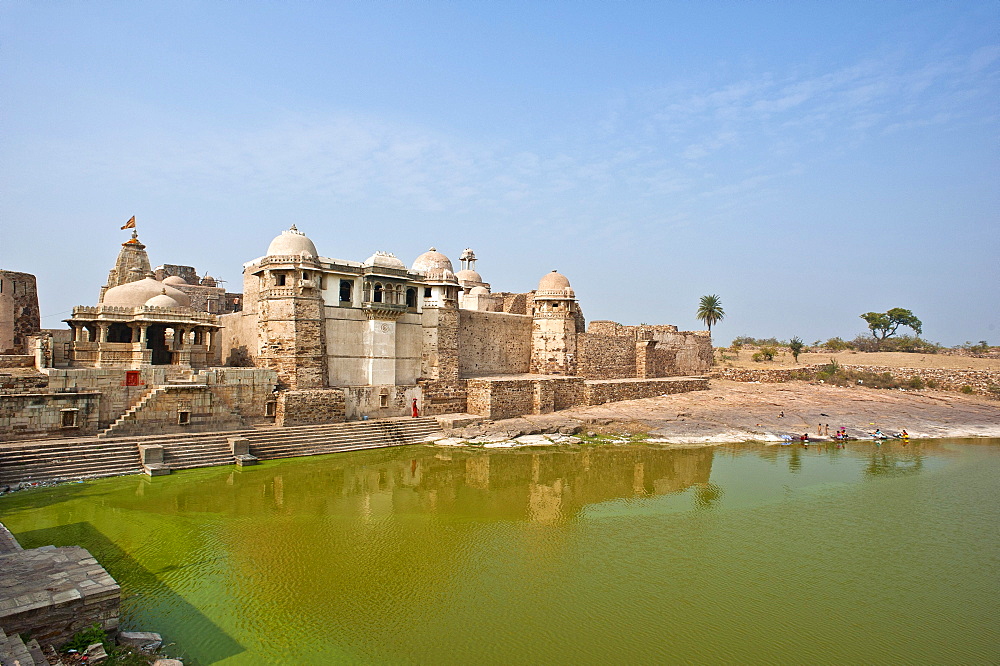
[158, 409]
[15, 652]
[131, 411]
[313, 440]
[59, 459]
[56, 460]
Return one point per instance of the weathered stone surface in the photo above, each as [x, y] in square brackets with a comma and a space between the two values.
[54, 592]
[147, 641]
[979, 381]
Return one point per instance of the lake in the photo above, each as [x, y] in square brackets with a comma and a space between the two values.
[584, 554]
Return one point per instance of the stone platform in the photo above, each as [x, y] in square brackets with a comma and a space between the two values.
[54, 592]
[509, 396]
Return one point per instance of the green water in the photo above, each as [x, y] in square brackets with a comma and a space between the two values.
[741, 554]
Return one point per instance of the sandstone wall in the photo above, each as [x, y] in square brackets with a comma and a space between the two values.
[239, 338]
[605, 356]
[19, 316]
[600, 392]
[980, 381]
[17, 361]
[176, 409]
[310, 406]
[40, 414]
[493, 343]
[110, 382]
[360, 401]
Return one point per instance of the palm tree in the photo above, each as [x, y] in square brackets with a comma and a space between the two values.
[710, 310]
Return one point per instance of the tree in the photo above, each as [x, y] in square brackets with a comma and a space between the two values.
[795, 345]
[885, 324]
[710, 310]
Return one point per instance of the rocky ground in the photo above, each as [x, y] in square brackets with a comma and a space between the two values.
[735, 412]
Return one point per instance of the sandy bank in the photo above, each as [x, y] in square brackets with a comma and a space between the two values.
[736, 412]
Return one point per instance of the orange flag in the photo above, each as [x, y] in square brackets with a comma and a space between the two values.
[130, 224]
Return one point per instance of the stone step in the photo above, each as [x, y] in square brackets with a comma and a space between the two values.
[346, 437]
[91, 470]
[14, 651]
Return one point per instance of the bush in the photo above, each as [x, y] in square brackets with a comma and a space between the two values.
[83, 639]
[967, 390]
[747, 341]
[837, 344]
[915, 383]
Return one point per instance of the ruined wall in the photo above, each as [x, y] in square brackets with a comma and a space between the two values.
[981, 382]
[694, 352]
[19, 317]
[245, 390]
[26, 414]
[676, 352]
[101, 396]
[176, 408]
[310, 406]
[239, 338]
[600, 392]
[361, 401]
[493, 343]
[110, 382]
[605, 356]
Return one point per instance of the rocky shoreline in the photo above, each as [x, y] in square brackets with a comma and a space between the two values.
[733, 411]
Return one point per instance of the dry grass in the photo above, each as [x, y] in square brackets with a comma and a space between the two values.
[890, 359]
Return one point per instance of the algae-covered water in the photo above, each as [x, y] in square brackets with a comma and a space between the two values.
[748, 554]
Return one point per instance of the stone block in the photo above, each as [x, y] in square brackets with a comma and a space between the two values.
[147, 641]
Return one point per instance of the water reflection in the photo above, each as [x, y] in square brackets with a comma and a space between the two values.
[539, 486]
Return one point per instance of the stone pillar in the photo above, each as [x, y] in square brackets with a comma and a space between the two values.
[102, 332]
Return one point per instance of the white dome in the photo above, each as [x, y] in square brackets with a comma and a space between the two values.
[554, 284]
[478, 291]
[468, 275]
[291, 242]
[162, 301]
[174, 280]
[385, 260]
[432, 260]
[135, 294]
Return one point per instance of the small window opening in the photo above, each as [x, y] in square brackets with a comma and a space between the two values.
[270, 408]
[378, 293]
[383, 400]
[279, 280]
[69, 418]
[305, 276]
[411, 298]
[183, 418]
[427, 292]
[346, 286]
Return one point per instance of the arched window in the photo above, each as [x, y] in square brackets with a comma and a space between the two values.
[345, 291]
[411, 298]
[378, 293]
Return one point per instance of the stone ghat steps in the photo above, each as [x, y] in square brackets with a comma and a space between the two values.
[51, 461]
[208, 452]
[316, 440]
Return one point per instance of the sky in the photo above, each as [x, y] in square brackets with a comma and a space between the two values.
[807, 162]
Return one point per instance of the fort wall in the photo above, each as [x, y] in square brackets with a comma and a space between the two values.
[493, 343]
[605, 356]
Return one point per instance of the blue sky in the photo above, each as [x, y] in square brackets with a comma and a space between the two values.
[807, 162]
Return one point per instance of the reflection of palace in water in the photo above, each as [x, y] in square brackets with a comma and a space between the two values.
[538, 485]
